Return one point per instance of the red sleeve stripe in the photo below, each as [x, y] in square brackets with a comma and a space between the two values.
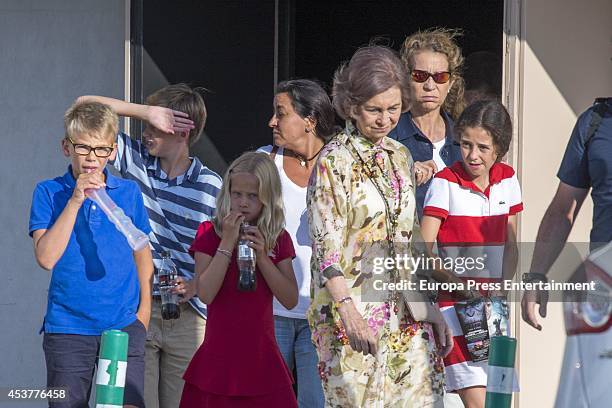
[517, 208]
[435, 212]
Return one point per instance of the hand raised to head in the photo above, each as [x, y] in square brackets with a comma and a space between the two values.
[168, 120]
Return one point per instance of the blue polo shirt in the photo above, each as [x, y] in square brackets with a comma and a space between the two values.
[592, 168]
[94, 285]
[421, 148]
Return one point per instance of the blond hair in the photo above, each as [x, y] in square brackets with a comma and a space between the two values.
[440, 40]
[271, 221]
[183, 98]
[92, 118]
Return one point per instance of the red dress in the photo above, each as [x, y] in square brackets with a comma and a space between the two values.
[239, 363]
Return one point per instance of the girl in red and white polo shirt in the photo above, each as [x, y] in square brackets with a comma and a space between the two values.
[470, 208]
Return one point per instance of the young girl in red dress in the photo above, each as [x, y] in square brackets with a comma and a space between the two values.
[239, 364]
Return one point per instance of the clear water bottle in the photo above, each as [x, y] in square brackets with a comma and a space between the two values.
[247, 281]
[167, 282]
[136, 238]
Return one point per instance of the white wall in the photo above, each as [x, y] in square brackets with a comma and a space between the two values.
[565, 64]
[51, 51]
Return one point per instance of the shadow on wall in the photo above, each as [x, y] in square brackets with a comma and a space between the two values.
[204, 149]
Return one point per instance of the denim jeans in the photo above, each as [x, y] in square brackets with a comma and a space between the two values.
[293, 339]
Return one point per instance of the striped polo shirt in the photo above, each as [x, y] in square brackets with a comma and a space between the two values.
[474, 221]
[176, 207]
[474, 224]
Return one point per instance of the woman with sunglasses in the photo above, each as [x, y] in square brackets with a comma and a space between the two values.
[434, 61]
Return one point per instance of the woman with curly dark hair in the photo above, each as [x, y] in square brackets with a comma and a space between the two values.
[302, 122]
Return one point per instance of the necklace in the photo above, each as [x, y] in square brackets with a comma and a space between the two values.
[303, 160]
[392, 218]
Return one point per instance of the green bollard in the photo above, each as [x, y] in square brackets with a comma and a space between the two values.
[500, 375]
[112, 366]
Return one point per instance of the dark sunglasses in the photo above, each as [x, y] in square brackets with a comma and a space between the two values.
[84, 150]
[422, 76]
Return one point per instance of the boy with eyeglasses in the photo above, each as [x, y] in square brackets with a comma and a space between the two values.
[97, 281]
[179, 193]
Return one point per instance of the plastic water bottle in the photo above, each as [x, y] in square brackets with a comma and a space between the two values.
[112, 369]
[135, 237]
[167, 282]
[247, 281]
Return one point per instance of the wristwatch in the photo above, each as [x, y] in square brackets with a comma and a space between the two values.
[534, 277]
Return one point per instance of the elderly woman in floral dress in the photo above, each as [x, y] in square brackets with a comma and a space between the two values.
[377, 349]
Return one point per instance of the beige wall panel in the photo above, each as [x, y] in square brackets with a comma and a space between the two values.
[566, 50]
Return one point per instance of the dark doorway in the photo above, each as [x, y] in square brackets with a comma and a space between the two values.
[229, 47]
[226, 47]
[325, 33]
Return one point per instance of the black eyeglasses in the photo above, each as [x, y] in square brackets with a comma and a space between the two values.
[84, 150]
[422, 76]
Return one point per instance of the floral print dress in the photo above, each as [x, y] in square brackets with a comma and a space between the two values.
[348, 218]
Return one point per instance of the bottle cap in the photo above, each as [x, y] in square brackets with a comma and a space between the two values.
[244, 226]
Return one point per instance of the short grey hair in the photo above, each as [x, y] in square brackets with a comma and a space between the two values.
[371, 71]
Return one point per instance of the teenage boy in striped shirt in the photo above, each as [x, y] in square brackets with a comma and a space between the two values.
[179, 193]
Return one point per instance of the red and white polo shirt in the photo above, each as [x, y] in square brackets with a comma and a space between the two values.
[474, 224]
[469, 214]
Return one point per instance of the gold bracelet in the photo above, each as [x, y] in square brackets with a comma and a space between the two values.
[342, 301]
[225, 252]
